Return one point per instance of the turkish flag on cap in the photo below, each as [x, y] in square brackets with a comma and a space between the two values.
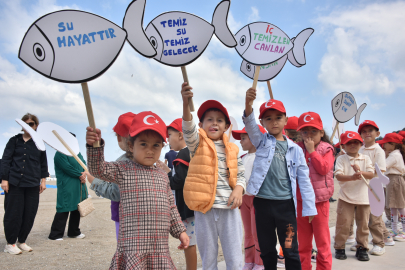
[310, 119]
[271, 104]
[147, 121]
[349, 136]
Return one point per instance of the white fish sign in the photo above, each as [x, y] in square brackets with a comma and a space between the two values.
[377, 207]
[262, 43]
[44, 134]
[344, 108]
[270, 71]
[175, 38]
[72, 46]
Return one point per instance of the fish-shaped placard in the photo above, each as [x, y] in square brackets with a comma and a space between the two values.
[344, 108]
[72, 46]
[270, 71]
[262, 43]
[175, 38]
[44, 134]
[377, 207]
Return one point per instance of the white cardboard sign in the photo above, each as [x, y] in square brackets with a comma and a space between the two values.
[72, 46]
[377, 207]
[175, 38]
[344, 108]
[234, 127]
[262, 43]
[44, 134]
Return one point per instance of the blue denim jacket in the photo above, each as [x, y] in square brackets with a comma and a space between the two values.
[296, 164]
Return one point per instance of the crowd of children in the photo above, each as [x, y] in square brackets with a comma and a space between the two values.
[278, 190]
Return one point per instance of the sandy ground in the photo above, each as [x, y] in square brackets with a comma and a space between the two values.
[94, 251]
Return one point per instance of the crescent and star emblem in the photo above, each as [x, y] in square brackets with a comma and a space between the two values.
[145, 120]
[305, 118]
[350, 135]
[268, 103]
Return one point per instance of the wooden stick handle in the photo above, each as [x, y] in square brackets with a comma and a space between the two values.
[340, 142]
[89, 109]
[270, 91]
[255, 78]
[70, 150]
[185, 78]
[334, 131]
[371, 189]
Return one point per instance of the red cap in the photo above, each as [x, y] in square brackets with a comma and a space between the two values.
[271, 104]
[392, 137]
[402, 133]
[123, 124]
[349, 136]
[209, 104]
[310, 119]
[337, 145]
[367, 123]
[236, 133]
[147, 121]
[292, 123]
[177, 125]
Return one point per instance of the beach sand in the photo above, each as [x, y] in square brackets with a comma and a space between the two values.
[94, 251]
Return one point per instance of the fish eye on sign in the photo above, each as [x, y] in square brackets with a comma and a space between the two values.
[71, 46]
[344, 108]
[175, 38]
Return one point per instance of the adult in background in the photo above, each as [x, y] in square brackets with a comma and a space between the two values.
[24, 169]
[169, 157]
[72, 189]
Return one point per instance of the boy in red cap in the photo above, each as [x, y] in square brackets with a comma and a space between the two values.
[177, 177]
[278, 166]
[369, 131]
[247, 211]
[111, 190]
[291, 129]
[353, 195]
[395, 199]
[147, 210]
[215, 183]
[319, 155]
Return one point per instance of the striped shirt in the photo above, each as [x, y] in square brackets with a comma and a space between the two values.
[223, 191]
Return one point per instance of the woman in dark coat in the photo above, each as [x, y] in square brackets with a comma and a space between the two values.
[24, 169]
[72, 189]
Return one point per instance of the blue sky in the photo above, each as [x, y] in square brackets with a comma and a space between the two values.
[355, 48]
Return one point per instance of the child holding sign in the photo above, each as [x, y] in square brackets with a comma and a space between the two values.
[319, 155]
[353, 195]
[278, 166]
[147, 210]
[215, 183]
[395, 200]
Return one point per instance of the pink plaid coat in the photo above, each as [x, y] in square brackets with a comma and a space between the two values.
[147, 212]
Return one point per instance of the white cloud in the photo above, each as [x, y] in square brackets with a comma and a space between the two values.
[364, 49]
[254, 15]
[233, 24]
[11, 131]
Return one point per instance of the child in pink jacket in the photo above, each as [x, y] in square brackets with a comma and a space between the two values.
[319, 154]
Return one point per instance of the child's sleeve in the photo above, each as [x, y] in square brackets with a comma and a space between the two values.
[99, 168]
[255, 135]
[240, 179]
[176, 225]
[191, 136]
[108, 190]
[339, 166]
[380, 159]
[390, 161]
[305, 186]
[322, 164]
